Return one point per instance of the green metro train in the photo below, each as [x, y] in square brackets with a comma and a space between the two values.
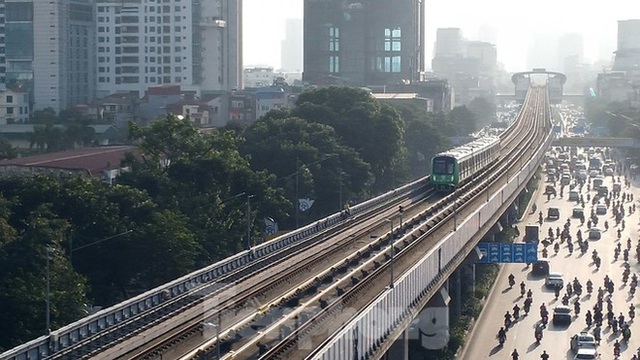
[453, 167]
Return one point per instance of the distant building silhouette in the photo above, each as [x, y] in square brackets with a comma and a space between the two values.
[291, 50]
[377, 42]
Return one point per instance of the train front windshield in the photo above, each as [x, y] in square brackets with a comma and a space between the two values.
[443, 166]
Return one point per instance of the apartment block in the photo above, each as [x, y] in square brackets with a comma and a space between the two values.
[192, 43]
[48, 49]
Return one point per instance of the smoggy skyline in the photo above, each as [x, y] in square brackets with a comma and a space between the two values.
[513, 27]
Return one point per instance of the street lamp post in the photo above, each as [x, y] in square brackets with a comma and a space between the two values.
[48, 291]
[393, 251]
[296, 200]
[249, 221]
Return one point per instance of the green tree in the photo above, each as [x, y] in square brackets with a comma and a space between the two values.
[483, 110]
[23, 277]
[460, 122]
[309, 161]
[6, 150]
[200, 176]
[373, 129]
[44, 117]
[423, 138]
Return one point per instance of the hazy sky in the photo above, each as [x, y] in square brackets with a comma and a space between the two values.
[512, 20]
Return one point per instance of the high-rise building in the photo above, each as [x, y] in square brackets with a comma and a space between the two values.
[627, 57]
[48, 50]
[449, 43]
[376, 42]
[291, 50]
[543, 52]
[570, 51]
[192, 43]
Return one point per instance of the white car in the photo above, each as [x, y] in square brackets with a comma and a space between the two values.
[582, 340]
[587, 354]
[554, 279]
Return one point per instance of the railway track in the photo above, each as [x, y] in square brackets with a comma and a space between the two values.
[334, 299]
[221, 291]
[253, 300]
[313, 332]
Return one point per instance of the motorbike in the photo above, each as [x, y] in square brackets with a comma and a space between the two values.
[502, 338]
[507, 323]
[538, 336]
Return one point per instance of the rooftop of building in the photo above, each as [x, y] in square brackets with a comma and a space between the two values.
[92, 160]
[395, 96]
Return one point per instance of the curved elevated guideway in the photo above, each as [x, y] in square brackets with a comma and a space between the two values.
[292, 294]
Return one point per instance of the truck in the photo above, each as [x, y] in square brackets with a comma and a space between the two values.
[531, 234]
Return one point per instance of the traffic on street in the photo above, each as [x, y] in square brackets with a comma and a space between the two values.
[578, 301]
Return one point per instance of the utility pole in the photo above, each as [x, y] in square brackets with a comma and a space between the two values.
[249, 221]
[48, 291]
[340, 191]
[296, 202]
[393, 251]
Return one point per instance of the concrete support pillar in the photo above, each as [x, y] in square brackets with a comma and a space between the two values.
[456, 289]
[400, 348]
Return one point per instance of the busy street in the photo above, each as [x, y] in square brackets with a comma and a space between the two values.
[579, 300]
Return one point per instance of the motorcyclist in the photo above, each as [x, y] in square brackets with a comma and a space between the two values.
[576, 306]
[616, 349]
[523, 288]
[632, 311]
[589, 318]
[516, 312]
[597, 333]
[502, 335]
[589, 286]
[507, 320]
[544, 355]
[512, 280]
[515, 355]
[537, 334]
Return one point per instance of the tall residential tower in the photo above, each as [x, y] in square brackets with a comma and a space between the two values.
[196, 44]
[377, 42]
[48, 50]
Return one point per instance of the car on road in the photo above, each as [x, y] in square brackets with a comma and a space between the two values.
[582, 340]
[597, 181]
[574, 195]
[554, 279]
[595, 233]
[550, 190]
[582, 175]
[594, 173]
[541, 267]
[561, 315]
[577, 212]
[601, 209]
[586, 354]
[553, 213]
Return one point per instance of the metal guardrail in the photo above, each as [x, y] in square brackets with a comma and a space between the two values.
[94, 324]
